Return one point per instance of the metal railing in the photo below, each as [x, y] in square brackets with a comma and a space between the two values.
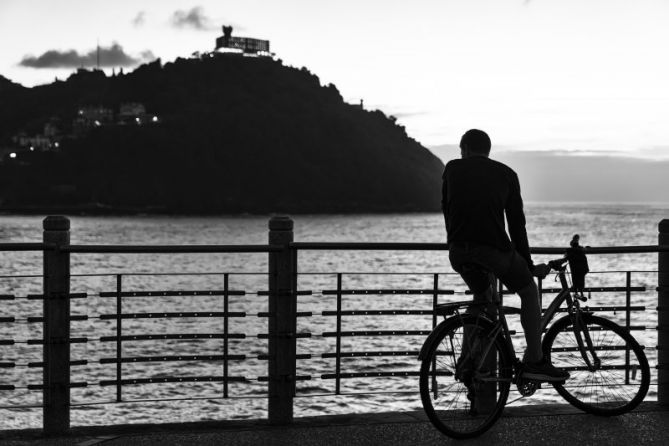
[273, 348]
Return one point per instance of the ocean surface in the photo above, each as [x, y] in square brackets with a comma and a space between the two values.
[20, 275]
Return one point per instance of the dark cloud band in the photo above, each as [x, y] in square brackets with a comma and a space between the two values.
[195, 18]
[112, 56]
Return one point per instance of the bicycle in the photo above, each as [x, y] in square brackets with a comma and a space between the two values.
[468, 362]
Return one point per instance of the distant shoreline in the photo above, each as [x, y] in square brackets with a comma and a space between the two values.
[131, 211]
[111, 211]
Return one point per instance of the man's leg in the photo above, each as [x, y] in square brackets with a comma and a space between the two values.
[530, 319]
[483, 297]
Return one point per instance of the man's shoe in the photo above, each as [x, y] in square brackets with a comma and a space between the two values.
[543, 371]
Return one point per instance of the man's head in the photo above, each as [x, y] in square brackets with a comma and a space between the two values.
[475, 143]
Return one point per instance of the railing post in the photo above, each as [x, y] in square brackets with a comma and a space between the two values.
[282, 322]
[663, 315]
[56, 396]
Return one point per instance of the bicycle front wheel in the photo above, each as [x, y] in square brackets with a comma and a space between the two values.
[618, 377]
[465, 377]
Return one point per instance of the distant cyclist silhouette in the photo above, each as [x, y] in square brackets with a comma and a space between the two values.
[477, 194]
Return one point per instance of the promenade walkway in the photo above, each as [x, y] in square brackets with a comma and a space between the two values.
[535, 425]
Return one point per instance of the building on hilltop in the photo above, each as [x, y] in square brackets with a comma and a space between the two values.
[243, 45]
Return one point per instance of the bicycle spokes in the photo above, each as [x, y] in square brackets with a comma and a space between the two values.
[587, 349]
[609, 370]
[463, 394]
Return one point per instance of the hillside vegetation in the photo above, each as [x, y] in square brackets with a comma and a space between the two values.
[235, 134]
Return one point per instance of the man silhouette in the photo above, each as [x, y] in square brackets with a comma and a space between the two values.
[477, 194]
[578, 263]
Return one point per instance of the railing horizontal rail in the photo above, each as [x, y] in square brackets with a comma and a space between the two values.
[184, 379]
[297, 314]
[593, 328]
[369, 246]
[329, 334]
[174, 314]
[367, 354]
[444, 247]
[265, 357]
[81, 340]
[367, 374]
[43, 386]
[73, 317]
[601, 289]
[171, 293]
[175, 358]
[602, 367]
[389, 291]
[58, 296]
[72, 363]
[596, 348]
[607, 308]
[296, 378]
[376, 312]
[409, 246]
[163, 337]
[283, 335]
[169, 249]
[25, 246]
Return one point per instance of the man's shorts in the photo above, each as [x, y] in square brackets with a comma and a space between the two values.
[507, 266]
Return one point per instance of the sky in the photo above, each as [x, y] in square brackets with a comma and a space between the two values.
[574, 77]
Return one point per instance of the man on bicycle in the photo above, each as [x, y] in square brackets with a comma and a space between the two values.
[477, 193]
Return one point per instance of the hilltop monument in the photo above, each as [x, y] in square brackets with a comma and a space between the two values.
[247, 45]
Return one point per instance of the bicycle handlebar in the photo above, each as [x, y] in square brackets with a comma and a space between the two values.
[558, 264]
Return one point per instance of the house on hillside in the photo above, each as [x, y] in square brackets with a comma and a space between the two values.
[91, 116]
[132, 113]
[32, 142]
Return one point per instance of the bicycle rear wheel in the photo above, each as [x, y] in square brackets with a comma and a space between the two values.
[617, 384]
[464, 377]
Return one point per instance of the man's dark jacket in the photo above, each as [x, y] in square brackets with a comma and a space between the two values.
[476, 194]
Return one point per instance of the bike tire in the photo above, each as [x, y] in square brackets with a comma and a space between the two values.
[444, 391]
[614, 388]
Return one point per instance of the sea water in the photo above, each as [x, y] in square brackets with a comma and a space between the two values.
[548, 226]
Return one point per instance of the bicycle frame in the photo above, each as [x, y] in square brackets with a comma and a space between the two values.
[581, 332]
[562, 296]
[580, 329]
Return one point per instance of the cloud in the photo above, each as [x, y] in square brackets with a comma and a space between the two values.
[139, 19]
[409, 114]
[195, 18]
[111, 56]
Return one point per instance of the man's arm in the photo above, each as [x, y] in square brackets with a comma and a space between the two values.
[515, 216]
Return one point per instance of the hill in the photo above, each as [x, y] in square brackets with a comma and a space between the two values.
[233, 134]
[6, 84]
